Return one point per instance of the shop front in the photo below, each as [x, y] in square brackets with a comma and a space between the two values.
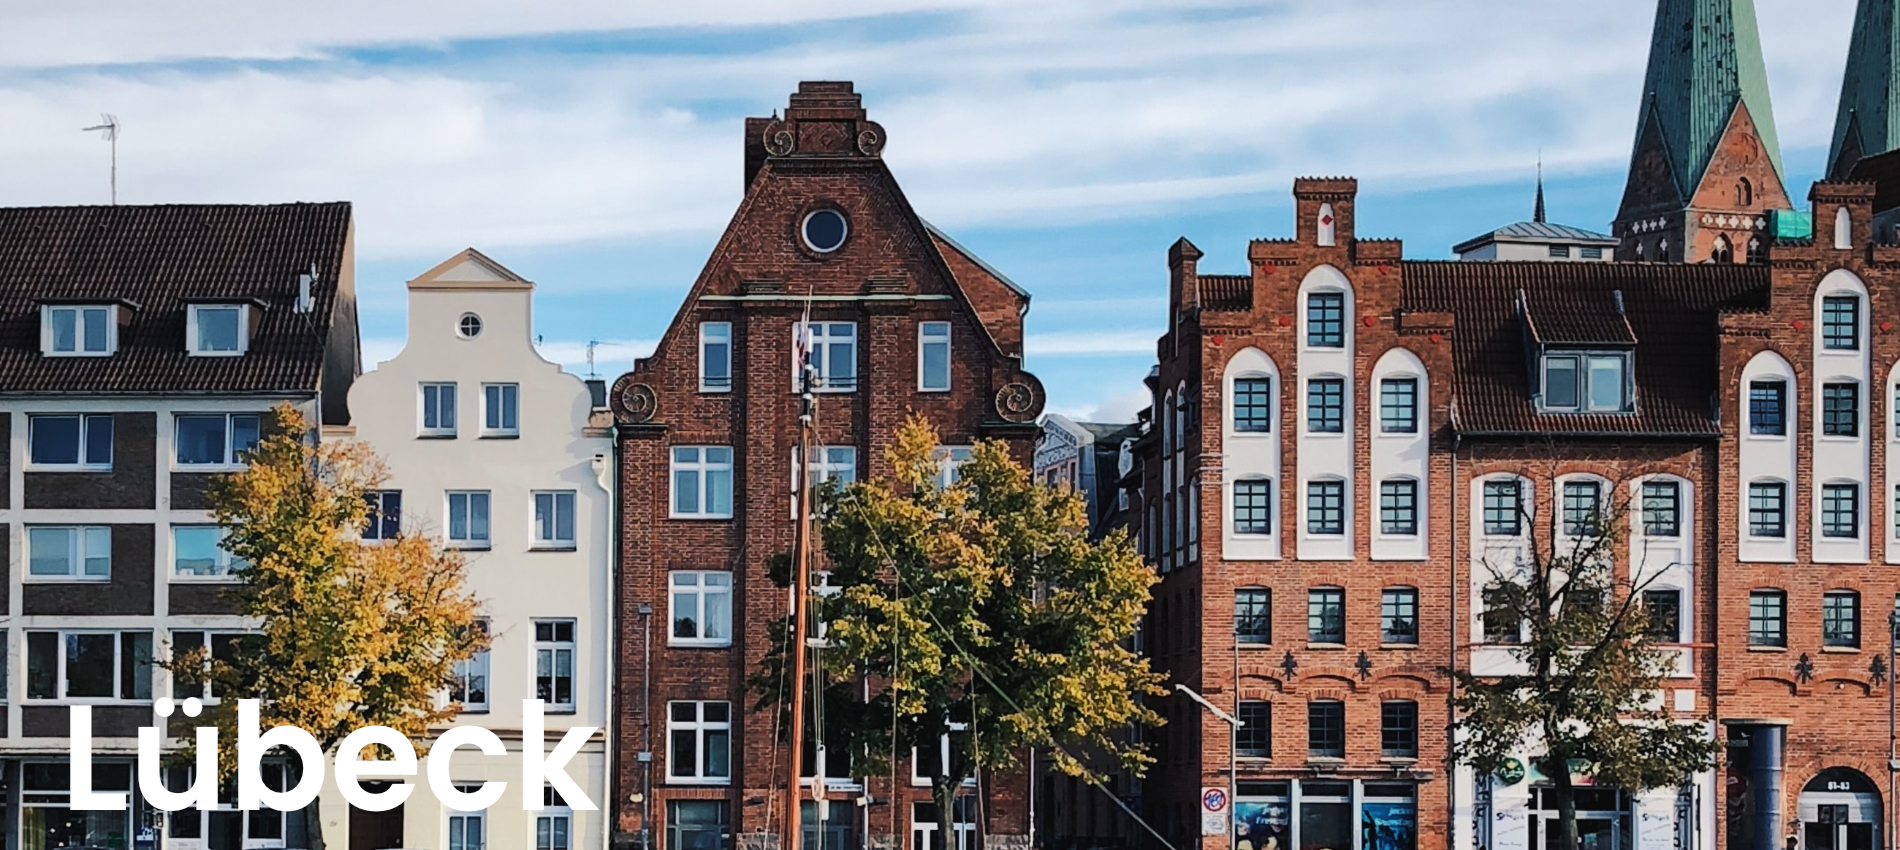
[1326, 814]
[1839, 809]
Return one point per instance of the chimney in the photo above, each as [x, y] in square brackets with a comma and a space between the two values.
[597, 392]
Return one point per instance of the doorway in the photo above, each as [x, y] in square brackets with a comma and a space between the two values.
[1603, 820]
[375, 830]
[1839, 810]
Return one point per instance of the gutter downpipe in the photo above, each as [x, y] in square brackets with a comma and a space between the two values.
[1451, 699]
[607, 827]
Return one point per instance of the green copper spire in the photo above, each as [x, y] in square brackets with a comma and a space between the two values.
[1869, 119]
[1704, 57]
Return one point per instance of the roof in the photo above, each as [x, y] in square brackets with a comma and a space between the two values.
[1536, 231]
[154, 261]
[1882, 170]
[1226, 291]
[471, 270]
[1870, 100]
[1670, 312]
[979, 261]
[1704, 57]
[1110, 432]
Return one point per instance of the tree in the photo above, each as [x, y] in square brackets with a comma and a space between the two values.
[349, 633]
[1589, 689]
[981, 606]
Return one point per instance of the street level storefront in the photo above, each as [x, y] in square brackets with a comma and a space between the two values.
[1326, 814]
[1517, 809]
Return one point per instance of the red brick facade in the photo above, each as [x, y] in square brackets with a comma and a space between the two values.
[891, 273]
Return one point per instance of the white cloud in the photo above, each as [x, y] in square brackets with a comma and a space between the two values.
[1120, 407]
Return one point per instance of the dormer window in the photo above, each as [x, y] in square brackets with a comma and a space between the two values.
[217, 330]
[1586, 382]
[79, 330]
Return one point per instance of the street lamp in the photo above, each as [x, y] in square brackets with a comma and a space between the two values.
[1233, 743]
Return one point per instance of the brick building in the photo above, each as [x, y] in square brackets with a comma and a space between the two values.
[903, 319]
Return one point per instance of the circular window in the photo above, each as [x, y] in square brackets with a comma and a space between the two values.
[825, 230]
[469, 326]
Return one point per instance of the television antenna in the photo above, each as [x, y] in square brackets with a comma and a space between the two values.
[108, 128]
[591, 344]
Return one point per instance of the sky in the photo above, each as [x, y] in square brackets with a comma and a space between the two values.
[594, 146]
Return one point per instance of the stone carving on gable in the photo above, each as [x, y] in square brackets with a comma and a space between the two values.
[778, 139]
[632, 401]
[1020, 399]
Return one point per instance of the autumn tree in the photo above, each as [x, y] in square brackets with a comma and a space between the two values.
[349, 633]
[981, 606]
[1590, 674]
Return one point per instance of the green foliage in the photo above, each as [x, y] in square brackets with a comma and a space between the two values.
[1592, 693]
[983, 603]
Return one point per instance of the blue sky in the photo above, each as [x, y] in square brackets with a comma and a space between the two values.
[594, 146]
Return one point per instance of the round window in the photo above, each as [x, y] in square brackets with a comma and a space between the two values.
[825, 230]
[470, 326]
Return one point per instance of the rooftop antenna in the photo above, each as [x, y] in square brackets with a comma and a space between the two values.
[108, 128]
[590, 358]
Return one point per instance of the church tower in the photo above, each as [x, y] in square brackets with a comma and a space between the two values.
[1868, 123]
[1706, 169]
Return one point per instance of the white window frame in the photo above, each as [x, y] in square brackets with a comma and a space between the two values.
[226, 562]
[378, 512]
[708, 335]
[555, 501]
[950, 463]
[480, 662]
[423, 429]
[923, 832]
[933, 334]
[828, 463]
[1585, 383]
[80, 338]
[79, 543]
[231, 462]
[192, 326]
[478, 818]
[85, 462]
[60, 676]
[510, 407]
[825, 335]
[469, 540]
[554, 810]
[699, 726]
[555, 648]
[943, 752]
[704, 469]
[698, 590]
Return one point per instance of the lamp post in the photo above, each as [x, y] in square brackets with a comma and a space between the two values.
[1233, 742]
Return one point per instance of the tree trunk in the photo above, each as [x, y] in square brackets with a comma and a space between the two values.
[1565, 793]
[943, 789]
[313, 825]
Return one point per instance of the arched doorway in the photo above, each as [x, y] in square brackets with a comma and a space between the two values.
[1840, 810]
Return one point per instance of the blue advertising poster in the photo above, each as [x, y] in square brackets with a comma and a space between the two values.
[1261, 825]
[1389, 826]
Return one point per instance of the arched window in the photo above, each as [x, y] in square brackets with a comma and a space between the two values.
[1180, 417]
[1724, 251]
[1744, 193]
[1662, 250]
[1754, 256]
[1843, 229]
[1642, 252]
[1167, 423]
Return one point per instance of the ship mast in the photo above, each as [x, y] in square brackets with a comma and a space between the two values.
[800, 597]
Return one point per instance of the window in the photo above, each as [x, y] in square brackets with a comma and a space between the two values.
[950, 461]
[1560, 382]
[1253, 615]
[702, 482]
[1254, 738]
[1501, 623]
[1840, 619]
[1560, 251]
[1326, 615]
[198, 552]
[1398, 405]
[1840, 410]
[829, 463]
[79, 331]
[1840, 510]
[825, 230]
[76, 552]
[715, 357]
[1840, 323]
[1586, 382]
[1582, 508]
[468, 518]
[1744, 193]
[1767, 407]
[1767, 509]
[74, 442]
[438, 410]
[1326, 320]
[1592, 253]
[698, 825]
[1398, 506]
[384, 520]
[1326, 507]
[1326, 728]
[1662, 509]
[833, 351]
[553, 823]
[1253, 506]
[467, 830]
[554, 519]
[923, 826]
[1664, 609]
[1607, 391]
[216, 440]
[698, 741]
[468, 678]
[501, 410]
[1398, 728]
[1326, 405]
[554, 663]
[702, 608]
[1398, 615]
[1253, 405]
[49, 821]
[933, 356]
[89, 665]
[1767, 618]
[1502, 517]
[469, 326]
[218, 646]
[216, 329]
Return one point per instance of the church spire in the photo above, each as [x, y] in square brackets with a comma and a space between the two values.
[1704, 58]
[1538, 216]
[1868, 122]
